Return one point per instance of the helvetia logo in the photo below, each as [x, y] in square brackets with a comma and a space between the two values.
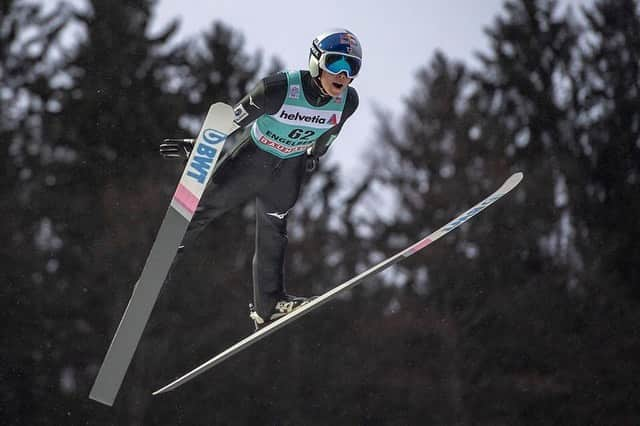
[317, 119]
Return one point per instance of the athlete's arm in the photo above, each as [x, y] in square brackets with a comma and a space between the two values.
[324, 141]
[265, 98]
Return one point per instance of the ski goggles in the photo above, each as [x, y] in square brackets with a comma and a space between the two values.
[336, 63]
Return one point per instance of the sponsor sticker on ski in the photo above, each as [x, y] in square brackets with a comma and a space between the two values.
[199, 168]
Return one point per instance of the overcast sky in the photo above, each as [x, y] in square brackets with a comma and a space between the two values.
[397, 39]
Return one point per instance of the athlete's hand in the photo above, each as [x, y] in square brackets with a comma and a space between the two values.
[176, 148]
[312, 160]
[312, 163]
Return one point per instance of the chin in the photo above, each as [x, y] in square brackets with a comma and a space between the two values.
[336, 91]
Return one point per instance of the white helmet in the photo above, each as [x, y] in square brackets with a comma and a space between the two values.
[335, 51]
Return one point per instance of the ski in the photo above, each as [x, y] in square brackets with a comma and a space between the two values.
[507, 186]
[218, 125]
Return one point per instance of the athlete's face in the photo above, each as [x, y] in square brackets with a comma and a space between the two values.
[334, 84]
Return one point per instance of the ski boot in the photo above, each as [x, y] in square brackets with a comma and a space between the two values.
[283, 307]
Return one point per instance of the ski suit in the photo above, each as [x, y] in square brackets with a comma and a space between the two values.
[292, 123]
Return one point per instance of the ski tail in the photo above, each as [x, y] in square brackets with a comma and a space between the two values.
[508, 185]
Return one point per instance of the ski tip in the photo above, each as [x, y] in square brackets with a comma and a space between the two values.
[512, 182]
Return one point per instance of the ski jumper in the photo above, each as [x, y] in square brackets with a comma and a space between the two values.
[290, 116]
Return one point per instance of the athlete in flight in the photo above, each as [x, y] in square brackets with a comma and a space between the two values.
[294, 118]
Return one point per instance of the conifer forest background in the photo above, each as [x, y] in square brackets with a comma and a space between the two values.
[528, 315]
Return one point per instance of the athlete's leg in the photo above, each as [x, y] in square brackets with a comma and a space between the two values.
[272, 208]
[238, 180]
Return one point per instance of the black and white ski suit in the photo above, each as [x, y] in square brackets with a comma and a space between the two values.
[252, 173]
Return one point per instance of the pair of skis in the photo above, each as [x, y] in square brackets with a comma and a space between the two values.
[218, 125]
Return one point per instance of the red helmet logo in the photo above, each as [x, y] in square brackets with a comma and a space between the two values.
[350, 40]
